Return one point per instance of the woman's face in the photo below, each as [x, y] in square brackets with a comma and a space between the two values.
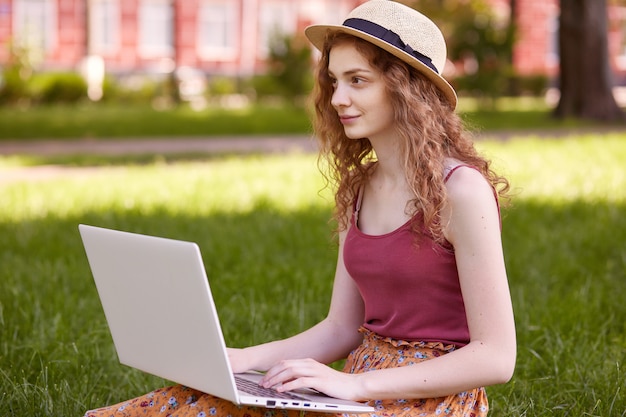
[359, 96]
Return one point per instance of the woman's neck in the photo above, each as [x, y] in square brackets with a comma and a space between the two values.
[390, 164]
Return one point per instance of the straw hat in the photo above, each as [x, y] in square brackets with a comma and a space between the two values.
[399, 30]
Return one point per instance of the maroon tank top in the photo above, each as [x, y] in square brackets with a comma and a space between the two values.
[411, 292]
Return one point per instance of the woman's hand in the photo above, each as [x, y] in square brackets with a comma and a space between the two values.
[289, 375]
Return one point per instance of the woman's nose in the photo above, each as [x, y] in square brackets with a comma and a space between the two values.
[340, 97]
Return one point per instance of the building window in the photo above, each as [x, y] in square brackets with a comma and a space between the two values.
[35, 27]
[552, 51]
[276, 19]
[218, 30]
[156, 20]
[104, 26]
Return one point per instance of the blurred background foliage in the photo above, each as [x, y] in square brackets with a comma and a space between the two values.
[479, 43]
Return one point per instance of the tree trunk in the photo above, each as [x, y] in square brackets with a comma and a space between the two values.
[173, 85]
[586, 80]
[513, 12]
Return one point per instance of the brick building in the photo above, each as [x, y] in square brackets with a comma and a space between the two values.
[229, 36]
[215, 36]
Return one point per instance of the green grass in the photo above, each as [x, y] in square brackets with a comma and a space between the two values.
[109, 121]
[118, 121]
[262, 226]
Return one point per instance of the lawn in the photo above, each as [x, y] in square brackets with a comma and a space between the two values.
[114, 121]
[262, 225]
[119, 122]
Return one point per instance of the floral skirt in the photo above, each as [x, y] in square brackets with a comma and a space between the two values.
[375, 352]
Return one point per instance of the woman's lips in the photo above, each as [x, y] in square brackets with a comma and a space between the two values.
[347, 119]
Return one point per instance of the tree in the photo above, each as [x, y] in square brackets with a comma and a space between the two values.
[478, 41]
[586, 80]
[289, 65]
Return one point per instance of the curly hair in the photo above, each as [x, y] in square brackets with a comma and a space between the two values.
[429, 128]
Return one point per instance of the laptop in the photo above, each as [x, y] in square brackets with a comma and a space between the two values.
[158, 304]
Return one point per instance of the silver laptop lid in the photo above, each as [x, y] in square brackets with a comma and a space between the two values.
[156, 299]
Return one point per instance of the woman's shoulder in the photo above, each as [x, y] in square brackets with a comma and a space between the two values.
[451, 165]
[465, 182]
[469, 198]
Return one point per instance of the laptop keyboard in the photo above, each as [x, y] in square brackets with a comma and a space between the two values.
[255, 389]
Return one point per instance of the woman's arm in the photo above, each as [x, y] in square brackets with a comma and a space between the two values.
[473, 227]
[330, 340]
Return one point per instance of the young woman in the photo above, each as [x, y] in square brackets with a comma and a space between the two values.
[420, 303]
